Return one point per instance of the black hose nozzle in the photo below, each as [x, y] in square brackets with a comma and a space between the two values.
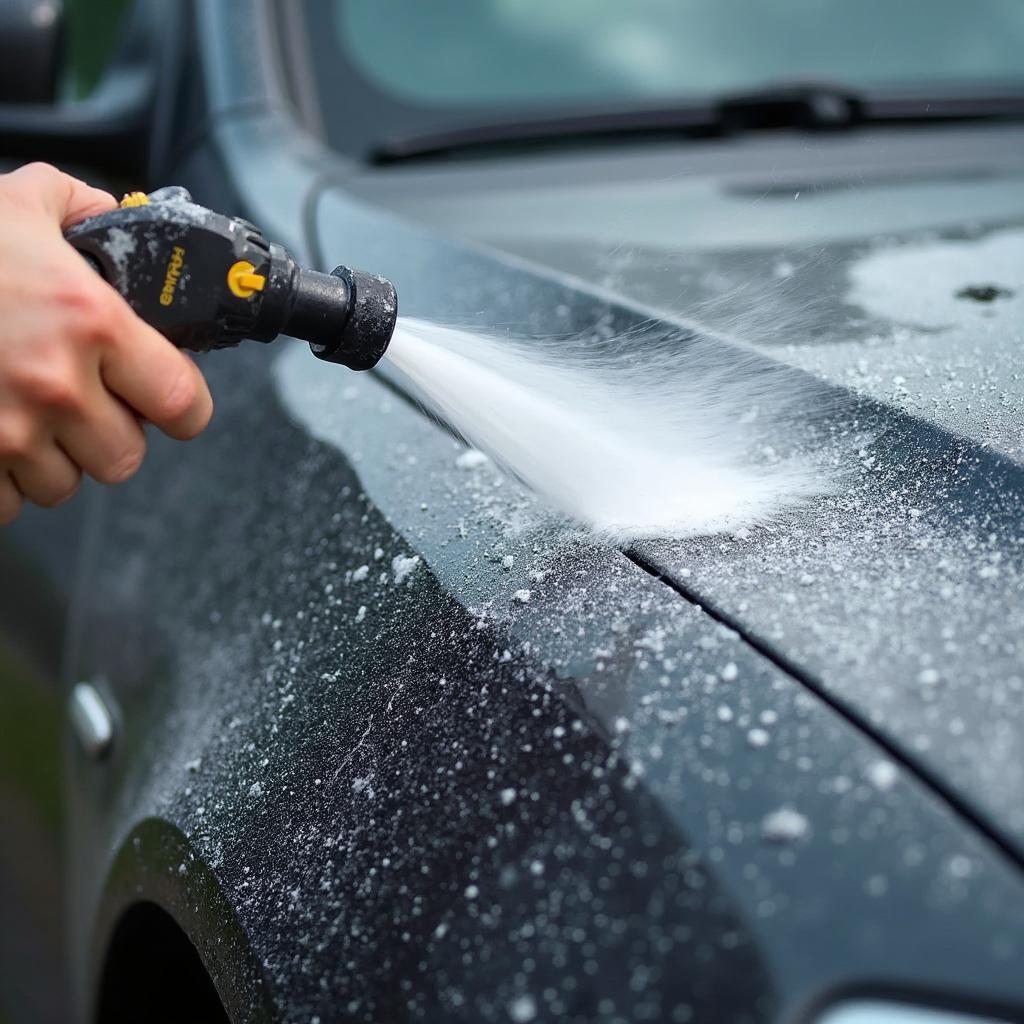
[347, 316]
[207, 281]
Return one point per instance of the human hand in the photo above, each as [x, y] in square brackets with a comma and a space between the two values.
[79, 370]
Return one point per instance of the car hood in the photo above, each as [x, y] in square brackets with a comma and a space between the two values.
[890, 266]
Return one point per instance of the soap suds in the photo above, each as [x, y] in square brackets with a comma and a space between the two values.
[925, 285]
[784, 825]
[403, 567]
[471, 459]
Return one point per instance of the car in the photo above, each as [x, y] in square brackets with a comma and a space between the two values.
[317, 719]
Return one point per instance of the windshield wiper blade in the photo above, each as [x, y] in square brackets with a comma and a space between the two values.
[802, 106]
[552, 127]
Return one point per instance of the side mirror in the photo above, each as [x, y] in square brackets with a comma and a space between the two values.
[31, 47]
[109, 130]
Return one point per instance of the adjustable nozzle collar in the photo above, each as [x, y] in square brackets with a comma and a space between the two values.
[373, 311]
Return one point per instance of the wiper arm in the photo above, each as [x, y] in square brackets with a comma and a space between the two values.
[687, 120]
[803, 106]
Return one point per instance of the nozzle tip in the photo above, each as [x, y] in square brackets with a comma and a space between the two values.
[373, 311]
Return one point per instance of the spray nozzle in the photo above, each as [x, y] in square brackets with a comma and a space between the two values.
[346, 316]
[207, 281]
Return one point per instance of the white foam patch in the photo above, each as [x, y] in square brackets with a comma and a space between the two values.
[664, 444]
[920, 285]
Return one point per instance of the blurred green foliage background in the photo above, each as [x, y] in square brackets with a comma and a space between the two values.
[91, 31]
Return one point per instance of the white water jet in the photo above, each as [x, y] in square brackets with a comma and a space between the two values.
[665, 443]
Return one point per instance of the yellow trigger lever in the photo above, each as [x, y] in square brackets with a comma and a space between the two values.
[243, 279]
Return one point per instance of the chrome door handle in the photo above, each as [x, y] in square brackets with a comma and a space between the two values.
[92, 719]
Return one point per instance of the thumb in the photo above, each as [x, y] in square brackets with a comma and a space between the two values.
[63, 197]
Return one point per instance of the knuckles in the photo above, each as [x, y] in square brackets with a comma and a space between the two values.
[50, 384]
[10, 507]
[17, 437]
[92, 313]
[42, 171]
[181, 396]
[124, 466]
[24, 184]
[55, 498]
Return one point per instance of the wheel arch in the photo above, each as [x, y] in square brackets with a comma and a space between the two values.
[166, 932]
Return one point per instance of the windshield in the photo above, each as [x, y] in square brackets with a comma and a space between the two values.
[452, 61]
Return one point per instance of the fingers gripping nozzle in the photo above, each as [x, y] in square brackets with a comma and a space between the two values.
[207, 281]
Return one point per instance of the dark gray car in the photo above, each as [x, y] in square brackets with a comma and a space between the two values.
[284, 740]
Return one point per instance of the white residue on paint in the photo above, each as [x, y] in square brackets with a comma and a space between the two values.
[471, 458]
[784, 826]
[655, 445]
[922, 284]
[402, 567]
[882, 774]
[758, 737]
[522, 1009]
